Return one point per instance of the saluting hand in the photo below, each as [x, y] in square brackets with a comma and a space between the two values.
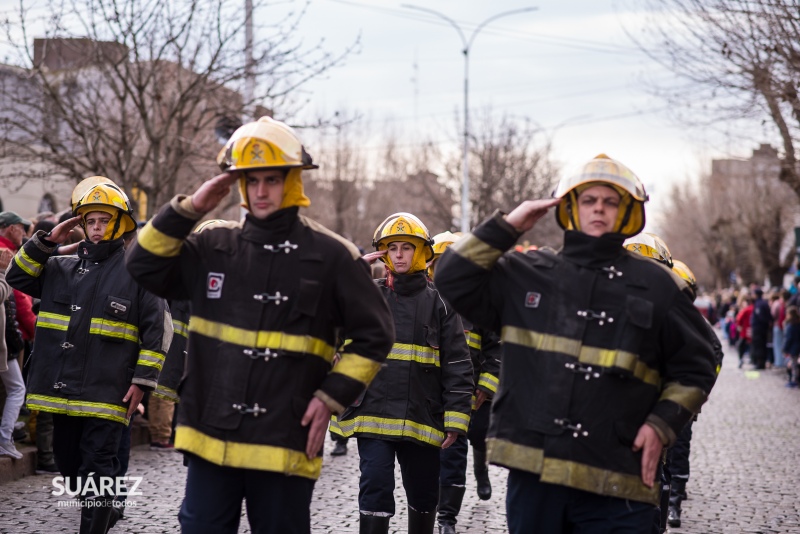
[649, 443]
[210, 194]
[61, 232]
[524, 216]
[372, 257]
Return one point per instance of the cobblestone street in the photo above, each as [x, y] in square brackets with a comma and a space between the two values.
[745, 458]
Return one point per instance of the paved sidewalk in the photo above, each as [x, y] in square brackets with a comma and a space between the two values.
[745, 476]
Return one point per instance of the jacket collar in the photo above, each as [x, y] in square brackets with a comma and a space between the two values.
[406, 284]
[592, 252]
[276, 227]
[98, 251]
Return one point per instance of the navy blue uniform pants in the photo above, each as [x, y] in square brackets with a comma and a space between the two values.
[454, 458]
[419, 466]
[276, 503]
[85, 445]
[534, 507]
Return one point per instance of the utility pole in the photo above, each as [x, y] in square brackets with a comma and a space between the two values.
[467, 44]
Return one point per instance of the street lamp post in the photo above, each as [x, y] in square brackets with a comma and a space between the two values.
[467, 44]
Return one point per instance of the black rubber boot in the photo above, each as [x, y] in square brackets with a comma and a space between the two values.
[101, 516]
[86, 519]
[373, 524]
[420, 522]
[340, 449]
[482, 474]
[676, 494]
[450, 498]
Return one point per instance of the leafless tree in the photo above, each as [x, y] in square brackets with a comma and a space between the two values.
[741, 58]
[145, 91]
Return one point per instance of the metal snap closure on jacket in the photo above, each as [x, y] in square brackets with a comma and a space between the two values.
[612, 272]
[576, 428]
[267, 354]
[285, 246]
[67, 345]
[277, 298]
[81, 270]
[255, 411]
[59, 385]
[74, 307]
[590, 315]
[578, 367]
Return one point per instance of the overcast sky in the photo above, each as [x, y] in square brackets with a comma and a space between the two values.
[568, 66]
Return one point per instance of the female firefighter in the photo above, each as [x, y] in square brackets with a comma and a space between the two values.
[420, 401]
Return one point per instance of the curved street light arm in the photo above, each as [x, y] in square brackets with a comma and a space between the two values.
[493, 18]
[441, 16]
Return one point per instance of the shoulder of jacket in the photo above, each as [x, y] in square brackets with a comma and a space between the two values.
[320, 229]
[657, 270]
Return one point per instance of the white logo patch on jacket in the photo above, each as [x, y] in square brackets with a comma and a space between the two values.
[214, 288]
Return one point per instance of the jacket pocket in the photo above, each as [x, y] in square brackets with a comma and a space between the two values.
[113, 325]
[309, 294]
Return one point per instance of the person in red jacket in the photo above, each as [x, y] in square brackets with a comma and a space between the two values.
[743, 326]
[12, 229]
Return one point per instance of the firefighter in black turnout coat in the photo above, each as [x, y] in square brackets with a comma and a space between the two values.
[420, 402]
[268, 296]
[101, 340]
[604, 357]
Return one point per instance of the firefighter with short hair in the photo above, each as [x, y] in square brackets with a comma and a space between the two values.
[100, 342]
[269, 294]
[603, 357]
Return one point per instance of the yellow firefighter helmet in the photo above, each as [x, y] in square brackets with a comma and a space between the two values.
[440, 244]
[109, 198]
[603, 170]
[407, 228]
[268, 144]
[682, 270]
[650, 246]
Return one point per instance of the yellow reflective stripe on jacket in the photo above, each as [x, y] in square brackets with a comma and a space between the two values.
[414, 353]
[151, 359]
[477, 251]
[488, 381]
[158, 243]
[473, 340]
[247, 455]
[456, 420]
[261, 339]
[357, 367]
[400, 428]
[166, 393]
[27, 264]
[78, 407]
[569, 473]
[52, 320]
[592, 355]
[117, 329]
[691, 398]
[180, 328]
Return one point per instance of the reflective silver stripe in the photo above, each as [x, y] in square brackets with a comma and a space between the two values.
[474, 340]
[150, 359]
[180, 327]
[53, 320]
[106, 327]
[166, 393]
[456, 420]
[28, 264]
[414, 353]
[488, 381]
[392, 427]
[78, 407]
